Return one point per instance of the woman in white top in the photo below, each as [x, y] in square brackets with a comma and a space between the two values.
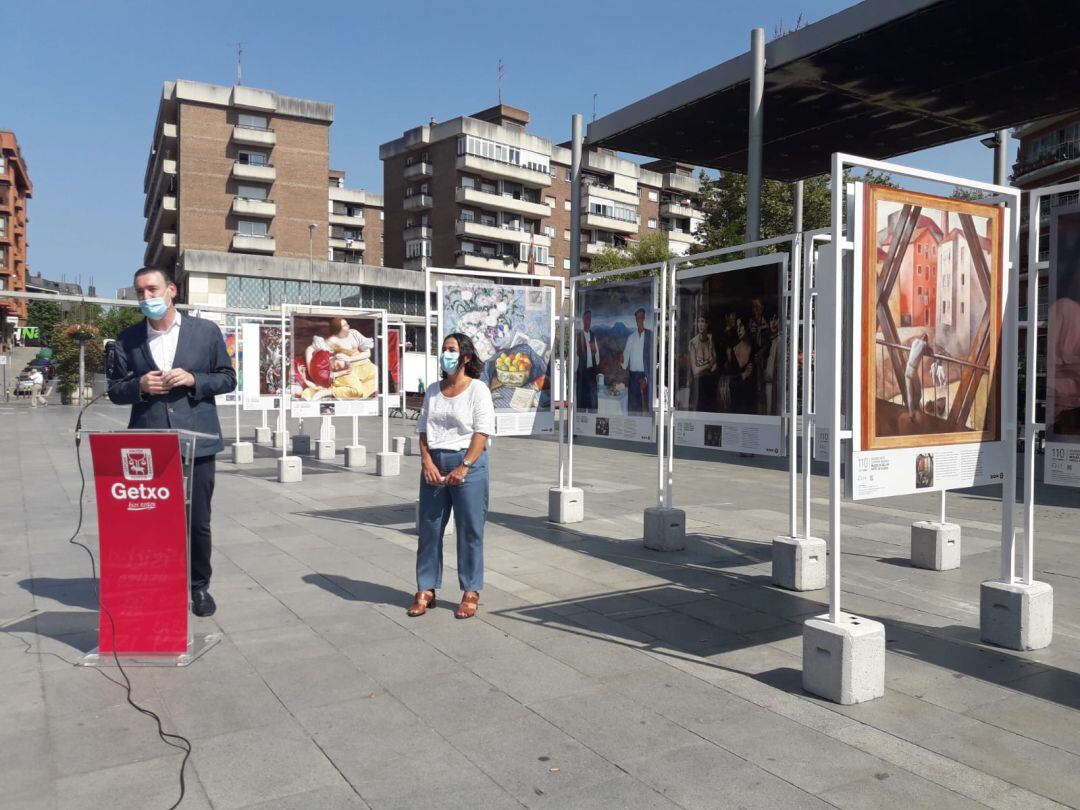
[455, 422]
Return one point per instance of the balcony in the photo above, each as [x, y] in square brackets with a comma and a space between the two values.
[676, 235]
[253, 136]
[253, 208]
[250, 171]
[609, 193]
[494, 168]
[502, 202]
[418, 202]
[495, 264]
[341, 243]
[417, 263]
[500, 233]
[606, 223]
[345, 219]
[417, 232]
[163, 214]
[415, 171]
[251, 243]
[161, 180]
[162, 250]
[670, 209]
[680, 182]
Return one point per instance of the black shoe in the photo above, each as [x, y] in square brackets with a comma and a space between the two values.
[202, 603]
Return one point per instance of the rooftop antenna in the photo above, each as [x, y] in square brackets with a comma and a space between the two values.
[594, 106]
[239, 63]
[501, 74]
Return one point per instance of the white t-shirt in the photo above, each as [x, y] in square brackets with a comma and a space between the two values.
[163, 344]
[450, 422]
[634, 353]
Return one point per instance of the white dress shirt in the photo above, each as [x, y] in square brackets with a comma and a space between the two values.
[590, 356]
[634, 353]
[163, 344]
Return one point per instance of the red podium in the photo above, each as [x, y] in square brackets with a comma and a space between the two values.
[142, 480]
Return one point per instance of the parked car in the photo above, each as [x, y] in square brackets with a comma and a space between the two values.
[47, 366]
[23, 386]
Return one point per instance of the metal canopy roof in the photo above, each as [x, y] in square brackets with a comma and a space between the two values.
[880, 79]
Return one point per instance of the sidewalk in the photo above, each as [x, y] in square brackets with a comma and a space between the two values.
[596, 674]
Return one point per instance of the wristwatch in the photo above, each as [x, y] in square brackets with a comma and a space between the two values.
[466, 463]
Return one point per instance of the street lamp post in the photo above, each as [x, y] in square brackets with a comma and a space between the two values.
[311, 262]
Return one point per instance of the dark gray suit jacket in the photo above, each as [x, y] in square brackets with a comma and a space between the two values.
[200, 349]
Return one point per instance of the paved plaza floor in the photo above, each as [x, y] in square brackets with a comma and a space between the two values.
[597, 674]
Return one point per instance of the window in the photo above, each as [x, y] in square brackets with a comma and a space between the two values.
[251, 192]
[354, 210]
[3, 256]
[381, 240]
[3, 225]
[482, 147]
[565, 264]
[549, 231]
[540, 253]
[652, 223]
[249, 121]
[248, 228]
[252, 158]
[569, 175]
[566, 234]
[382, 215]
[566, 204]
[653, 196]
[2, 164]
[550, 200]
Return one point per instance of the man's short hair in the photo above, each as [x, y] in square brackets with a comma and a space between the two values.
[586, 312]
[639, 309]
[165, 274]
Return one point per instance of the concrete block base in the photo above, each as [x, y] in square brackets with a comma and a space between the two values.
[301, 444]
[412, 448]
[281, 438]
[356, 455]
[387, 464]
[935, 546]
[665, 529]
[1016, 616]
[398, 445]
[449, 524]
[798, 563]
[566, 505]
[243, 452]
[325, 449]
[289, 470]
[262, 435]
[844, 661]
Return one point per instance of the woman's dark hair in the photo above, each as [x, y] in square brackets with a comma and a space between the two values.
[473, 367]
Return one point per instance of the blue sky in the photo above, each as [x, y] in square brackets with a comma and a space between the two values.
[87, 79]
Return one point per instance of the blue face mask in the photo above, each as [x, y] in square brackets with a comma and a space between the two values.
[449, 361]
[154, 308]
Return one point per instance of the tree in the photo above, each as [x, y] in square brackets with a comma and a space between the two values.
[723, 202]
[117, 319]
[45, 315]
[968, 194]
[649, 249]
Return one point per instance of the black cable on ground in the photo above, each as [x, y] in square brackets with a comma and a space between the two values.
[177, 741]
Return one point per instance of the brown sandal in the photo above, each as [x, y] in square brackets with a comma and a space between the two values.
[420, 605]
[469, 602]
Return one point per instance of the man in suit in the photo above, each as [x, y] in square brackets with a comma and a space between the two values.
[638, 362]
[588, 364]
[169, 369]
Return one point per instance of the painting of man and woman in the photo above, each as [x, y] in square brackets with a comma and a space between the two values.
[729, 341]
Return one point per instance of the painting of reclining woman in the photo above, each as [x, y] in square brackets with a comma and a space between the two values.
[334, 358]
[728, 341]
[931, 321]
[1063, 329]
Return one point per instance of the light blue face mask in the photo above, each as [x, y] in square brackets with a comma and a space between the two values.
[154, 308]
[449, 361]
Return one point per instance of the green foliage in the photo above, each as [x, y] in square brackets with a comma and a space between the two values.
[66, 349]
[117, 319]
[45, 315]
[723, 201]
[968, 194]
[649, 249]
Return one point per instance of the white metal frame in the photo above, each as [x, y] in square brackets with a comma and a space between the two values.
[286, 360]
[1008, 359]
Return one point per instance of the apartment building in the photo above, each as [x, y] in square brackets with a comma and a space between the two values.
[480, 192]
[242, 205]
[15, 190]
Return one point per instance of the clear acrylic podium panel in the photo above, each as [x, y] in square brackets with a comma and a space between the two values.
[196, 646]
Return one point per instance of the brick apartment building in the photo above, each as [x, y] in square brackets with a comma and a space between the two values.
[480, 192]
[15, 190]
[242, 204]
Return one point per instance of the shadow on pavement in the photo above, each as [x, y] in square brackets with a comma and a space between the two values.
[357, 590]
[80, 592]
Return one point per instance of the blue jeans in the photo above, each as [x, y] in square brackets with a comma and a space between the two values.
[470, 503]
